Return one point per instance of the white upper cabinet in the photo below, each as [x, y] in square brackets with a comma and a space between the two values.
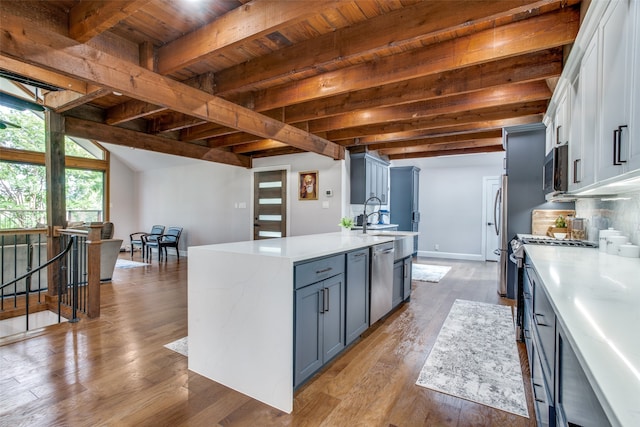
[582, 137]
[634, 89]
[615, 35]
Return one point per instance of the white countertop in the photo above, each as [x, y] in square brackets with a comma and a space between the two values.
[376, 226]
[597, 298]
[299, 248]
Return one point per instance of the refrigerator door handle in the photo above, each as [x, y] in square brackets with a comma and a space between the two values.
[496, 220]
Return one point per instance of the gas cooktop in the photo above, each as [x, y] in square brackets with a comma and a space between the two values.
[550, 241]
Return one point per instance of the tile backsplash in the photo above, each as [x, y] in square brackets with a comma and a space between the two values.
[621, 213]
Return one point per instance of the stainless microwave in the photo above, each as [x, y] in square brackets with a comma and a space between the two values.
[556, 170]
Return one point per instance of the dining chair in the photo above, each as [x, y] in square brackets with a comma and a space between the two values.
[141, 238]
[170, 239]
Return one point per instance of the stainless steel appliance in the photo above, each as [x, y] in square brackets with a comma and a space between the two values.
[556, 171]
[405, 200]
[521, 192]
[382, 258]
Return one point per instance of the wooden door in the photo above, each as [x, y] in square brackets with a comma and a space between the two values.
[270, 204]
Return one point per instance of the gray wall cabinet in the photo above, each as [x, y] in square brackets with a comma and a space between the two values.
[357, 294]
[404, 204]
[369, 177]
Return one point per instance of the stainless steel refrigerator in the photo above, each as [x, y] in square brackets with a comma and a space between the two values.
[521, 191]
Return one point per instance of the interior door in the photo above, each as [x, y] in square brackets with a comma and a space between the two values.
[270, 204]
[492, 214]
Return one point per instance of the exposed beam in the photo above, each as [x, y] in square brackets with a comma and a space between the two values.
[439, 146]
[404, 28]
[56, 79]
[131, 110]
[114, 135]
[65, 100]
[434, 140]
[542, 32]
[493, 97]
[62, 55]
[244, 23]
[443, 121]
[266, 144]
[477, 150]
[87, 19]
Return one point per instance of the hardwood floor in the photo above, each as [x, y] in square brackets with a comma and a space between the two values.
[115, 371]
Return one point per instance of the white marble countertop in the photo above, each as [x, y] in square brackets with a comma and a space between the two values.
[597, 298]
[299, 248]
[376, 226]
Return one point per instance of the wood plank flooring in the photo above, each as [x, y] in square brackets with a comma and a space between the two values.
[114, 371]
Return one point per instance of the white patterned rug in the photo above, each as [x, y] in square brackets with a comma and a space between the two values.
[125, 263]
[179, 346]
[475, 357]
[428, 273]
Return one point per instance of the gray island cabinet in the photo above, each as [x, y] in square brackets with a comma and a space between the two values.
[264, 315]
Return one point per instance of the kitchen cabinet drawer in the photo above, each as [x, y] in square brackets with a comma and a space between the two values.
[542, 399]
[317, 270]
[357, 294]
[544, 324]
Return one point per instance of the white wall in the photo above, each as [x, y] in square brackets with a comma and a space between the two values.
[451, 195]
[123, 191]
[311, 216]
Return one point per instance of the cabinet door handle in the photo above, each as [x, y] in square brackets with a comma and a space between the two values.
[406, 270]
[324, 270]
[558, 134]
[326, 299]
[538, 322]
[527, 334]
[575, 171]
[617, 146]
[359, 255]
[535, 395]
[321, 301]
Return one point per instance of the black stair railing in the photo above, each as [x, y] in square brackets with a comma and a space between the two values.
[64, 283]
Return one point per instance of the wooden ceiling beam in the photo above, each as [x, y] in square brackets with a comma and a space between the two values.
[244, 23]
[493, 97]
[81, 128]
[522, 68]
[542, 32]
[454, 152]
[439, 146]
[265, 144]
[46, 76]
[131, 110]
[65, 100]
[237, 138]
[412, 143]
[87, 19]
[60, 54]
[380, 140]
[405, 28]
[508, 111]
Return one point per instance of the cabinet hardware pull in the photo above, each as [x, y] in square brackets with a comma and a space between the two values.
[361, 254]
[558, 134]
[535, 395]
[527, 334]
[575, 171]
[406, 270]
[325, 270]
[617, 146]
[538, 322]
[326, 299]
[321, 301]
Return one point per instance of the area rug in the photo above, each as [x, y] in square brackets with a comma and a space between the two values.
[429, 273]
[179, 346]
[475, 357]
[125, 263]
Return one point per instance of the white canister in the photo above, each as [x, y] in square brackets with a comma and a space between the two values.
[614, 242]
[630, 251]
[602, 238]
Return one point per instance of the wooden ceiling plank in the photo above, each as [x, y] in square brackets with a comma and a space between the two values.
[444, 121]
[87, 19]
[247, 22]
[36, 73]
[523, 92]
[463, 137]
[60, 54]
[542, 32]
[237, 138]
[400, 28]
[130, 110]
[114, 135]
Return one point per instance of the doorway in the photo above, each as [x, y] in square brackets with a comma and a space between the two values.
[490, 238]
[269, 204]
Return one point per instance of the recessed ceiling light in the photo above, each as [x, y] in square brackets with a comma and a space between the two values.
[117, 93]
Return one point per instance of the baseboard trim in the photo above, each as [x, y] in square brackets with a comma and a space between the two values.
[451, 255]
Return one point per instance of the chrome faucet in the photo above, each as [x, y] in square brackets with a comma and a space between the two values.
[366, 216]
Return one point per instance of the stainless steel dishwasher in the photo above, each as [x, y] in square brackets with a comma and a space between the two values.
[381, 281]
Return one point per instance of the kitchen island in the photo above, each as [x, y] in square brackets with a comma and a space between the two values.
[596, 300]
[241, 309]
